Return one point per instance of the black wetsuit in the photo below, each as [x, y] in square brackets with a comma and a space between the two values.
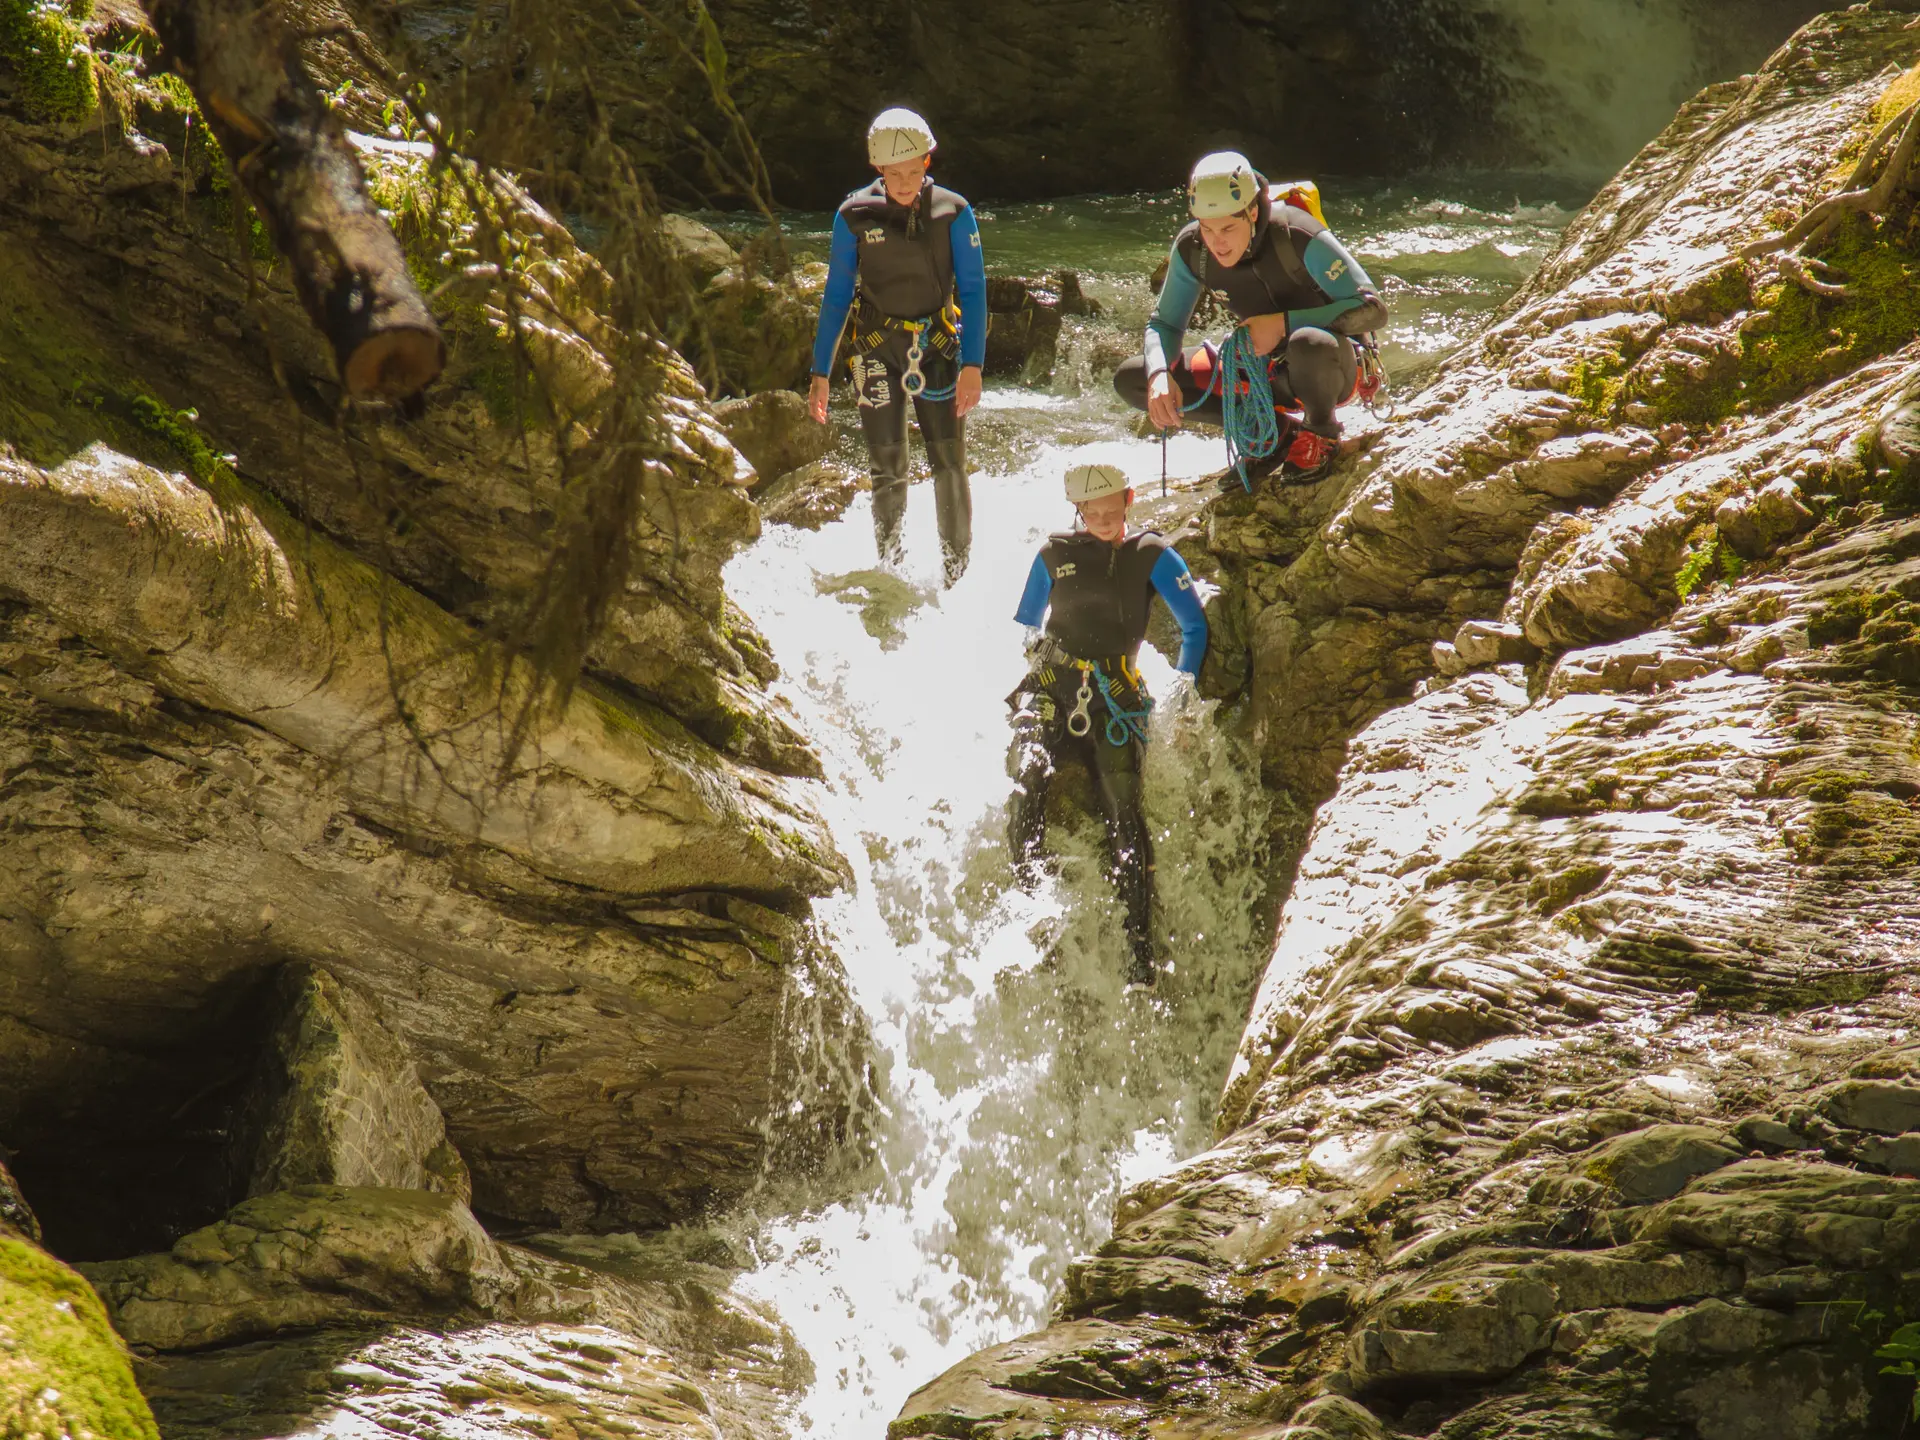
[1293, 266]
[1095, 598]
[919, 264]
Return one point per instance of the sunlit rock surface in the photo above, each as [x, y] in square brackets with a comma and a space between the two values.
[1581, 1095]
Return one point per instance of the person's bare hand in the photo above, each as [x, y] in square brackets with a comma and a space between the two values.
[966, 390]
[1267, 332]
[817, 399]
[1163, 402]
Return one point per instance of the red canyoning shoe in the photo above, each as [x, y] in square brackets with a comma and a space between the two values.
[1309, 457]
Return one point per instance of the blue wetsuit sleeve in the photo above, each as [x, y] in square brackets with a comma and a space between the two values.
[1033, 600]
[969, 286]
[1175, 583]
[1339, 277]
[843, 267]
[1167, 326]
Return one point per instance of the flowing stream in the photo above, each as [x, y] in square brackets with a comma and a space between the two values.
[1021, 1088]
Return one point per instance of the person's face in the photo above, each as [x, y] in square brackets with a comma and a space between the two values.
[1228, 237]
[1106, 518]
[903, 177]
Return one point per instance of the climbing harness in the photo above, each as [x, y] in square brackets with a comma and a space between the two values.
[1080, 721]
[1122, 724]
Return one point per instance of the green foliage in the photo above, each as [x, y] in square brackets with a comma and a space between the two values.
[1903, 1348]
[44, 46]
[1812, 338]
[63, 1372]
[1703, 551]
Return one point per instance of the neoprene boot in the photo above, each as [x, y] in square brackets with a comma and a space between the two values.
[953, 504]
[889, 500]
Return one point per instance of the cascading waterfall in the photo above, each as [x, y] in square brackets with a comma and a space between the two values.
[1020, 1089]
[1586, 83]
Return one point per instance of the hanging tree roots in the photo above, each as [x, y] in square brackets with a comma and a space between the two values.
[1883, 171]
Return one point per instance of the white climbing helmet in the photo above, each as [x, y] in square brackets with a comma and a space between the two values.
[1094, 482]
[1222, 184]
[898, 135]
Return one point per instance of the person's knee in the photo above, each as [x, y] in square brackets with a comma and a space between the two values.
[1130, 382]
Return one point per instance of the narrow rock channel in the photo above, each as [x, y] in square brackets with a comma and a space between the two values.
[1536, 1054]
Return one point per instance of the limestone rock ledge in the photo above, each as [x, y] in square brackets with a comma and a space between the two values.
[207, 779]
[1581, 1098]
[281, 901]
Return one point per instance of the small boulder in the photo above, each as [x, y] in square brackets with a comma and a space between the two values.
[1491, 642]
[1758, 524]
[1656, 1163]
[341, 1103]
[700, 248]
[1882, 1106]
[1447, 658]
[811, 496]
[774, 431]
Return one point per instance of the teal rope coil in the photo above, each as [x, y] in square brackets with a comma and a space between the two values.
[1122, 724]
[1251, 423]
[1253, 429]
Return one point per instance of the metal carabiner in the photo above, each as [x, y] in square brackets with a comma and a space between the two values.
[914, 382]
[1081, 720]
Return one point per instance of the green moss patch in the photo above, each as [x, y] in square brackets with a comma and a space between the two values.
[63, 1372]
[52, 64]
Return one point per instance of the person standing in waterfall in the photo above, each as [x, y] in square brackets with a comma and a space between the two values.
[1093, 587]
[1288, 281]
[906, 265]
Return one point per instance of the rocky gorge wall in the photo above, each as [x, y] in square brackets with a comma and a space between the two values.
[309, 953]
[1105, 95]
[1581, 1096]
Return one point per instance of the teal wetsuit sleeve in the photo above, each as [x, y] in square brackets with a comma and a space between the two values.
[1175, 583]
[1167, 326]
[969, 286]
[843, 268]
[1339, 277]
[1033, 600]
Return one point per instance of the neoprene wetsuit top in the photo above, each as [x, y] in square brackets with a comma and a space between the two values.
[1293, 266]
[1095, 596]
[908, 260]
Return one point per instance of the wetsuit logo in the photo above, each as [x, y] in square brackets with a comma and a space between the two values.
[1336, 270]
[875, 235]
[1185, 582]
[1064, 571]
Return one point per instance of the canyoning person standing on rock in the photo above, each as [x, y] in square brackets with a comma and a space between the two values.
[1093, 586]
[906, 265]
[1300, 300]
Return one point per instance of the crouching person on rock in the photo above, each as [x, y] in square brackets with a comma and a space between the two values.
[906, 265]
[1299, 298]
[1093, 587]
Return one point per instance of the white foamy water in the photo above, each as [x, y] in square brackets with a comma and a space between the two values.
[1023, 1089]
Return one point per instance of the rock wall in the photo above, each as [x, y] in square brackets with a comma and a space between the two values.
[1103, 95]
[281, 902]
[1580, 1097]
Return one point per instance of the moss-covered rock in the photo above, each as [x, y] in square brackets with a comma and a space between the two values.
[64, 1373]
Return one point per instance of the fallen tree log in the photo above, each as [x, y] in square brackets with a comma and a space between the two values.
[291, 156]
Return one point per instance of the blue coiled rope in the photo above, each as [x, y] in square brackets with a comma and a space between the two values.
[1252, 426]
[1122, 724]
[1253, 429]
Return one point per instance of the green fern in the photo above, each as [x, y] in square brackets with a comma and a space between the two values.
[1903, 1347]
